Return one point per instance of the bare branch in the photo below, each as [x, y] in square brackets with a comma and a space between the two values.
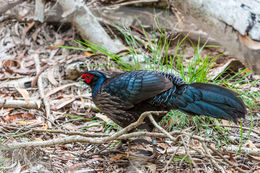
[32, 104]
[160, 128]
[92, 140]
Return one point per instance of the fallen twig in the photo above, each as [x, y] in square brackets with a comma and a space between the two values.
[160, 128]
[234, 149]
[85, 134]
[118, 135]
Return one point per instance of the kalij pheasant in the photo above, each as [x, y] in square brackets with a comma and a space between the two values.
[123, 97]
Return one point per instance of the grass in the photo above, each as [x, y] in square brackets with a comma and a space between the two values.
[154, 51]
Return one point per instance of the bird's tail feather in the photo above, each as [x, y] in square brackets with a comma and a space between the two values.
[215, 101]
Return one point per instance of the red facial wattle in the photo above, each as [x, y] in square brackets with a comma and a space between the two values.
[87, 77]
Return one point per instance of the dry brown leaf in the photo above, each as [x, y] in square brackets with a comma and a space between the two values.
[163, 145]
[228, 170]
[19, 116]
[226, 123]
[76, 167]
[217, 71]
[70, 127]
[257, 158]
[56, 46]
[231, 158]
[86, 53]
[10, 65]
[103, 117]
[244, 167]
[152, 168]
[29, 63]
[212, 145]
[24, 93]
[30, 25]
[248, 42]
[181, 150]
[141, 147]
[35, 33]
[37, 139]
[64, 102]
[117, 157]
[51, 78]
[53, 91]
[250, 144]
[80, 166]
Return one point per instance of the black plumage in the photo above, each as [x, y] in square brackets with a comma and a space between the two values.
[123, 97]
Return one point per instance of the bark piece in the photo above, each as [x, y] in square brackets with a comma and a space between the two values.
[39, 10]
[226, 21]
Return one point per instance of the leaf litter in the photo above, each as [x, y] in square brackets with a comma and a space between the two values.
[73, 110]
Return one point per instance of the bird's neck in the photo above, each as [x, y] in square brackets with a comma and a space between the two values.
[96, 86]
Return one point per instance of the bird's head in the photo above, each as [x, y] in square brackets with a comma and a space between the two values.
[93, 78]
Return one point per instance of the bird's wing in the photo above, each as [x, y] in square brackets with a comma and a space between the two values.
[136, 86]
[110, 74]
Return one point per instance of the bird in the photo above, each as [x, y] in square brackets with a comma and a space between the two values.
[124, 96]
